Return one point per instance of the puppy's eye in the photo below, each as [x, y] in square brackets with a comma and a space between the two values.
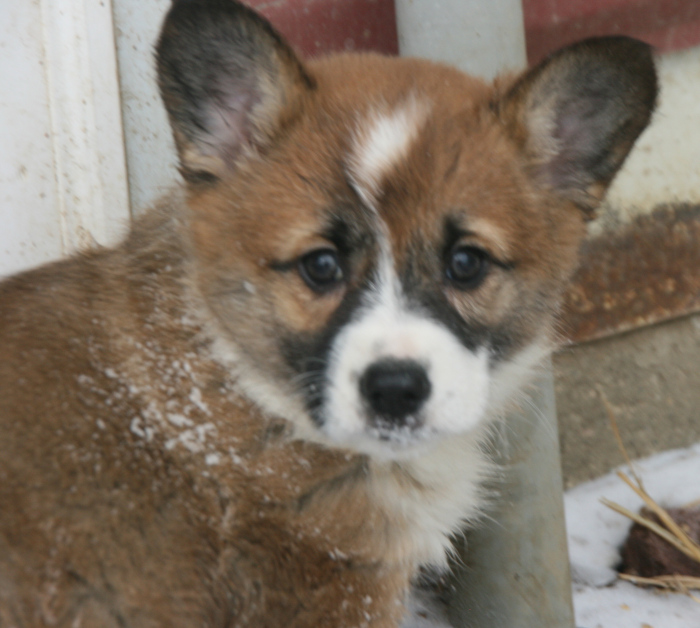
[321, 269]
[467, 266]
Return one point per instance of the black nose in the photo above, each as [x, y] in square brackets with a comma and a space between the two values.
[395, 389]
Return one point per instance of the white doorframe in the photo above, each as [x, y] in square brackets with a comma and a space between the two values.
[63, 176]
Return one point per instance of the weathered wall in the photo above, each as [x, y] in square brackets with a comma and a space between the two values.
[651, 378]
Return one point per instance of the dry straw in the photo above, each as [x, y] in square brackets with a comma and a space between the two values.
[670, 531]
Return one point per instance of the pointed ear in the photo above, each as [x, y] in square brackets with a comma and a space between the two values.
[578, 113]
[229, 82]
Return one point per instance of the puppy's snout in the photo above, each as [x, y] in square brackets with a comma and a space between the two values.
[395, 389]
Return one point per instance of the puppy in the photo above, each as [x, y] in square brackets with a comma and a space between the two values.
[267, 406]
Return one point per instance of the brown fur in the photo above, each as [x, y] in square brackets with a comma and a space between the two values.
[104, 527]
[139, 484]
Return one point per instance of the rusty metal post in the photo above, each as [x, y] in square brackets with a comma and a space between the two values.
[516, 567]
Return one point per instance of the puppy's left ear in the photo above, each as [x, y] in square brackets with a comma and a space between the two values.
[578, 113]
[229, 82]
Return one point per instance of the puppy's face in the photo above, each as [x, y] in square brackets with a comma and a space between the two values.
[384, 241]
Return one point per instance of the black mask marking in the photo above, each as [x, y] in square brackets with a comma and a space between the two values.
[308, 355]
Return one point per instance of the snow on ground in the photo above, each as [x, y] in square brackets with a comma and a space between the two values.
[625, 606]
[596, 532]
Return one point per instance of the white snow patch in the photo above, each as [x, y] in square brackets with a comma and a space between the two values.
[212, 459]
[196, 398]
[596, 533]
[624, 605]
[235, 458]
[139, 429]
[192, 439]
[178, 420]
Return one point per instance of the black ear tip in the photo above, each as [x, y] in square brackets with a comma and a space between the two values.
[616, 63]
[619, 46]
[631, 57]
[223, 8]
[193, 12]
[637, 60]
[221, 20]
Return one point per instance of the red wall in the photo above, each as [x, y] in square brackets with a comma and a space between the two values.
[319, 26]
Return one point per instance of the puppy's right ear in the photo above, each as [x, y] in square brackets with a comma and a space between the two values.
[577, 114]
[229, 83]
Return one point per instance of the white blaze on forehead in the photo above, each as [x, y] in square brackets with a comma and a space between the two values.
[382, 140]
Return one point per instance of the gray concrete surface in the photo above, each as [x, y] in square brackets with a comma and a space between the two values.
[650, 376]
[516, 573]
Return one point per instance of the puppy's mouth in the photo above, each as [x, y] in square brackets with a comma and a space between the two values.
[387, 428]
[411, 432]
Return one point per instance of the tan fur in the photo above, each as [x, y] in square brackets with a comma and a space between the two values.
[142, 481]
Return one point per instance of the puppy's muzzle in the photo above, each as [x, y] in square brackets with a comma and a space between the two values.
[395, 391]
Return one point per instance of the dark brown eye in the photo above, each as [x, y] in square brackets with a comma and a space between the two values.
[321, 269]
[466, 266]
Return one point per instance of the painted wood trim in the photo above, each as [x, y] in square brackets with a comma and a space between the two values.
[86, 124]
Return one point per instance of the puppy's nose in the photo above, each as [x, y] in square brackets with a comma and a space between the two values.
[395, 389]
